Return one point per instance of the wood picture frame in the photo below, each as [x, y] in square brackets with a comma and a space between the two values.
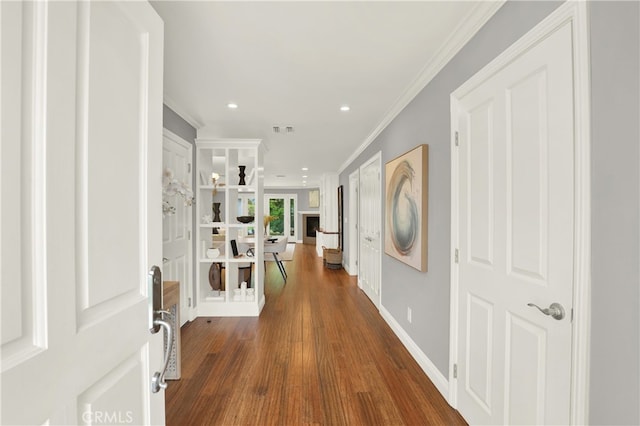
[406, 207]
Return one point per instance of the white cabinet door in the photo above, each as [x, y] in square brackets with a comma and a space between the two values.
[81, 212]
[176, 226]
[516, 238]
[370, 229]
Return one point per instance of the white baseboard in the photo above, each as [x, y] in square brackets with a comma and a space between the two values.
[438, 379]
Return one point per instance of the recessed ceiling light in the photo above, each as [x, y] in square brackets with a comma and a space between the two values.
[304, 169]
[345, 108]
[232, 105]
[305, 176]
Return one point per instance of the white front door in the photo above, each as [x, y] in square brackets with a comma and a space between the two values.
[370, 224]
[176, 224]
[81, 168]
[515, 164]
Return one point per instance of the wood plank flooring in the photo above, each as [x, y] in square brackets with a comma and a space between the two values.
[319, 354]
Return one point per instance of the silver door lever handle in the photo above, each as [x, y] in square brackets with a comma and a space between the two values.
[555, 310]
[157, 381]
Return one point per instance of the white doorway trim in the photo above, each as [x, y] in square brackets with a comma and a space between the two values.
[576, 13]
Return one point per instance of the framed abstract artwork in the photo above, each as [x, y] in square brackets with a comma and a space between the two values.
[314, 198]
[406, 202]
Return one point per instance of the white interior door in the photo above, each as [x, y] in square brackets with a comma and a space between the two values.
[80, 211]
[370, 224]
[516, 237]
[354, 182]
[176, 227]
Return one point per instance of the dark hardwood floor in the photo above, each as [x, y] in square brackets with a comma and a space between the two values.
[319, 354]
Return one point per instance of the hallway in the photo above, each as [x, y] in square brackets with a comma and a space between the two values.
[318, 354]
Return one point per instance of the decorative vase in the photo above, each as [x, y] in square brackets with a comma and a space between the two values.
[215, 277]
[212, 253]
[241, 168]
[216, 212]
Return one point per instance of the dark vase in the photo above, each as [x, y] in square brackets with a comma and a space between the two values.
[216, 212]
[242, 182]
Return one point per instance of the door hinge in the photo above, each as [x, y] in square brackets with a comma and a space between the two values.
[457, 256]
[189, 302]
[188, 167]
[455, 371]
[457, 141]
[189, 235]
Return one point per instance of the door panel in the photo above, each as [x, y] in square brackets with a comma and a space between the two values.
[525, 371]
[24, 328]
[176, 244]
[370, 229]
[516, 204]
[527, 176]
[479, 359]
[480, 184]
[354, 204]
[80, 211]
[101, 228]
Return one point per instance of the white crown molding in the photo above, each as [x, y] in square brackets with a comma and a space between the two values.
[468, 27]
[178, 110]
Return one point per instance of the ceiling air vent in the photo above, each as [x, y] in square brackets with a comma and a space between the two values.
[283, 129]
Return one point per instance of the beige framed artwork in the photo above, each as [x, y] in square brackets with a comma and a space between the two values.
[407, 184]
[314, 198]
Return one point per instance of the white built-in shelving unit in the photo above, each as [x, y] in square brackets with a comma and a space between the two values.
[223, 157]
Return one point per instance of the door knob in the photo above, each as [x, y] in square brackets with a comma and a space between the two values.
[555, 310]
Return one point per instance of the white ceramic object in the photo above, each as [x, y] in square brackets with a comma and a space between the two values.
[213, 253]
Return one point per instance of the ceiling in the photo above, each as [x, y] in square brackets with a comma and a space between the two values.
[296, 63]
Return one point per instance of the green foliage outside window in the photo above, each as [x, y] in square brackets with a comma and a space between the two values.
[276, 208]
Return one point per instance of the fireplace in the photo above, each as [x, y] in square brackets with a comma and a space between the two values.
[310, 224]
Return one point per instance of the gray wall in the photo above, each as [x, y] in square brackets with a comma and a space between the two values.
[303, 196]
[615, 112]
[615, 222]
[176, 124]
